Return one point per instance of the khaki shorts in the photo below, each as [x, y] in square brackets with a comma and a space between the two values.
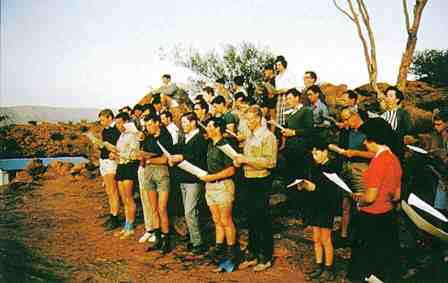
[155, 178]
[221, 193]
[108, 166]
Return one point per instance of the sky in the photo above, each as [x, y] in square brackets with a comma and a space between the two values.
[105, 53]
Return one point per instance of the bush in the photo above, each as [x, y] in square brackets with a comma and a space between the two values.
[57, 136]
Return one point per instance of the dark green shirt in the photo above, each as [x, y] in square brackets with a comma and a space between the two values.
[230, 118]
[216, 159]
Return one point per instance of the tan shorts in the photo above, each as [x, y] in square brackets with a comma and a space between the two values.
[221, 193]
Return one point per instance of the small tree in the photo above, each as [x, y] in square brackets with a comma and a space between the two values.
[244, 59]
[431, 66]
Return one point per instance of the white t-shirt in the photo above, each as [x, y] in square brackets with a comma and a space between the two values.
[286, 80]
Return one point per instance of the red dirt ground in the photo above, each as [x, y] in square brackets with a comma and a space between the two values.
[64, 219]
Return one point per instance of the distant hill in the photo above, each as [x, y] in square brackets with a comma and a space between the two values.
[23, 114]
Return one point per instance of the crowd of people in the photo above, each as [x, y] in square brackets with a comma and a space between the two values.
[279, 131]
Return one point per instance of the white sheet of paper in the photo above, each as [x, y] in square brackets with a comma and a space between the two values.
[417, 149]
[229, 151]
[190, 168]
[373, 279]
[417, 202]
[372, 114]
[202, 126]
[338, 181]
[164, 150]
[296, 182]
[276, 125]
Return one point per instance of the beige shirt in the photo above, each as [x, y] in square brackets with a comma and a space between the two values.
[261, 151]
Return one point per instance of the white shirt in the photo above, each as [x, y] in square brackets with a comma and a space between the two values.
[190, 135]
[285, 80]
[174, 132]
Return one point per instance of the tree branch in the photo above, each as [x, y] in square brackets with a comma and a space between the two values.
[406, 15]
[343, 11]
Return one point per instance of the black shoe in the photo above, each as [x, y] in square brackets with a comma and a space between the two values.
[165, 246]
[327, 276]
[157, 243]
[217, 252]
[111, 223]
[316, 273]
[199, 250]
[233, 253]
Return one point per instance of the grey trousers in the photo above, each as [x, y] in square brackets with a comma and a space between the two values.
[190, 197]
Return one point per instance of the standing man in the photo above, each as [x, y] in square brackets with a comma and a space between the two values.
[283, 82]
[157, 184]
[299, 127]
[440, 145]
[260, 156]
[108, 168]
[194, 150]
[220, 191]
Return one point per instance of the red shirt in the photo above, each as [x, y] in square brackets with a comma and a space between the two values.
[384, 174]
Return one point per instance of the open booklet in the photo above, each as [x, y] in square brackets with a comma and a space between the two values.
[229, 151]
[272, 122]
[185, 165]
[295, 183]
[338, 181]
[417, 202]
[192, 169]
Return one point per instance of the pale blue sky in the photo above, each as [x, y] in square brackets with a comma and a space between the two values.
[103, 53]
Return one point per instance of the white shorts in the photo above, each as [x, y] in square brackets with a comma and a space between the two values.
[108, 166]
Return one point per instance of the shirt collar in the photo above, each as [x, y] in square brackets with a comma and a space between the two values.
[191, 134]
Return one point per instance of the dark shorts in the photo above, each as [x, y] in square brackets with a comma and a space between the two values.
[127, 172]
[322, 219]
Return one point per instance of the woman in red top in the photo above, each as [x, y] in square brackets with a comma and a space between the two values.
[375, 248]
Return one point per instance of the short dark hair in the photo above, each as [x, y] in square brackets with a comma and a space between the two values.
[167, 114]
[282, 60]
[106, 113]
[125, 108]
[124, 116]
[314, 89]
[219, 100]
[149, 107]
[152, 117]
[239, 95]
[312, 74]
[398, 93]
[138, 107]
[293, 91]
[238, 80]
[203, 104]
[318, 142]
[268, 66]
[379, 131]
[219, 123]
[191, 116]
[221, 81]
[209, 90]
[166, 76]
[352, 94]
